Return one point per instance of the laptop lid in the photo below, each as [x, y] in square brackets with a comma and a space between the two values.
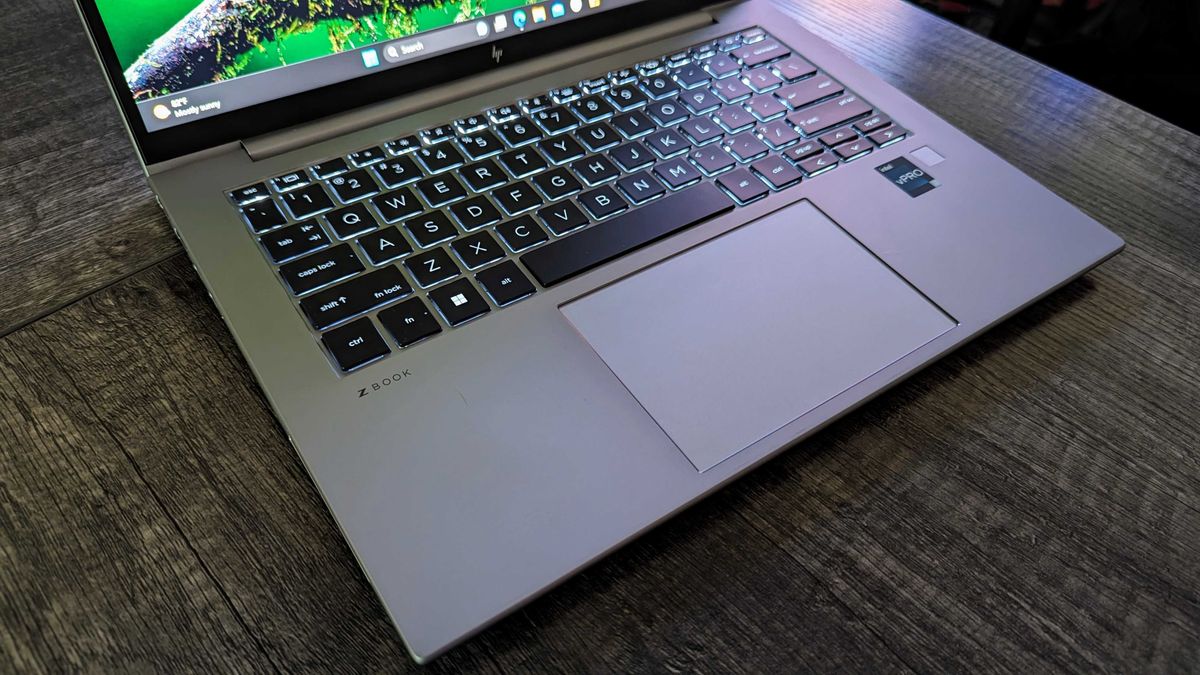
[194, 74]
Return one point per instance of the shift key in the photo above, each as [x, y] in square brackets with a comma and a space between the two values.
[829, 114]
[319, 269]
[361, 294]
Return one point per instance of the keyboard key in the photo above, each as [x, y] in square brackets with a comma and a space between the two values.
[557, 183]
[504, 113]
[433, 135]
[746, 146]
[691, 76]
[561, 149]
[556, 120]
[459, 302]
[829, 114]
[469, 125]
[481, 144]
[440, 157]
[804, 150]
[431, 267]
[641, 187]
[627, 97]
[778, 134]
[397, 205]
[700, 101]
[505, 283]
[320, 269]
[660, 86]
[667, 143]
[534, 104]
[732, 90]
[361, 294]
[565, 258]
[818, 163]
[602, 202]
[483, 175]
[522, 162]
[595, 169]
[519, 132]
[521, 233]
[441, 190]
[622, 76]
[307, 201]
[598, 136]
[404, 145]
[701, 130]
[766, 107]
[809, 91]
[650, 67]
[713, 159]
[351, 220]
[763, 79]
[743, 185]
[776, 171]
[677, 173]
[667, 112]
[290, 181]
[592, 108]
[734, 118]
[888, 136]
[367, 156]
[564, 94]
[250, 193]
[839, 136]
[853, 150]
[632, 156]
[793, 68]
[396, 172]
[633, 124]
[477, 250]
[353, 186]
[384, 245]
[293, 241]
[873, 123]
[561, 218]
[517, 197]
[355, 344]
[262, 216]
[475, 213]
[409, 322]
[431, 228]
[721, 66]
[760, 52]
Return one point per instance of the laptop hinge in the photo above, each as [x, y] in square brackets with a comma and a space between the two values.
[275, 143]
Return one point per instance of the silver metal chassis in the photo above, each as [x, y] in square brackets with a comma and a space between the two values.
[509, 456]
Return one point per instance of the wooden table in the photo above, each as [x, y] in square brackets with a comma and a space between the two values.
[1030, 503]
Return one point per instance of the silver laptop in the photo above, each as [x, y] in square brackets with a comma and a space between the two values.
[523, 281]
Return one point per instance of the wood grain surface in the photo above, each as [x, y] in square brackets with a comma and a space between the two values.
[1030, 503]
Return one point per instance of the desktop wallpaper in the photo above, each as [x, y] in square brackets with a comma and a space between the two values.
[168, 46]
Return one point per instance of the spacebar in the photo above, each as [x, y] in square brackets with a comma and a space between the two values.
[560, 260]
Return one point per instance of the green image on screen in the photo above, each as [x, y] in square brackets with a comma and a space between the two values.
[169, 46]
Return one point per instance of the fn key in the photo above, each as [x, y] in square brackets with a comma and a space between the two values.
[355, 344]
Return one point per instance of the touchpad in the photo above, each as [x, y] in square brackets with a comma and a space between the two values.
[731, 340]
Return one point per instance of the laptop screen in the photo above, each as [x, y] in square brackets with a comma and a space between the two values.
[188, 60]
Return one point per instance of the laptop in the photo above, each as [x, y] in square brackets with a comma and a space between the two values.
[522, 281]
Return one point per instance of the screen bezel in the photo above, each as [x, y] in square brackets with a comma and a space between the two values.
[281, 113]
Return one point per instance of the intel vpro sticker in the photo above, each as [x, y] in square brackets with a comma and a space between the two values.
[906, 176]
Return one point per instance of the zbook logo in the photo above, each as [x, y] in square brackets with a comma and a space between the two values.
[497, 53]
[388, 381]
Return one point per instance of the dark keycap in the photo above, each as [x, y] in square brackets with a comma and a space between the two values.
[595, 169]
[598, 136]
[401, 146]
[888, 136]
[441, 190]
[504, 113]
[483, 175]
[521, 233]
[766, 107]
[829, 114]
[481, 144]
[459, 302]
[355, 344]
[667, 112]
[809, 91]
[854, 149]
[804, 150]
[431, 228]
[517, 197]
[534, 104]
[760, 52]
[729, 43]
[440, 157]
[793, 68]
[691, 75]
[250, 193]
[627, 97]
[477, 250]
[732, 90]
[519, 131]
[338, 303]
[506, 283]
[556, 120]
[602, 202]
[475, 213]
[522, 162]
[307, 201]
[562, 217]
[560, 260]
[436, 134]
[431, 267]
[631, 156]
[763, 79]
[700, 130]
[700, 101]
[641, 187]
[592, 108]
[721, 66]
[557, 183]
[743, 185]
[409, 322]
[319, 269]
[873, 123]
[367, 156]
[818, 163]
[384, 245]
[593, 85]
[290, 181]
[778, 134]
[295, 240]
[262, 216]
[622, 76]
[839, 136]
[660, 86]
[561, 149]
[667, 143]
[650, 67]
[677, 172]
[469, 125]
[776, 171]
[746, 146]
[351, 220]
[396, 172]
[712, 159]
[397, 205]
[353, 186]
[753, 35]
[564, 94]
[734, 118]
[633, 124]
